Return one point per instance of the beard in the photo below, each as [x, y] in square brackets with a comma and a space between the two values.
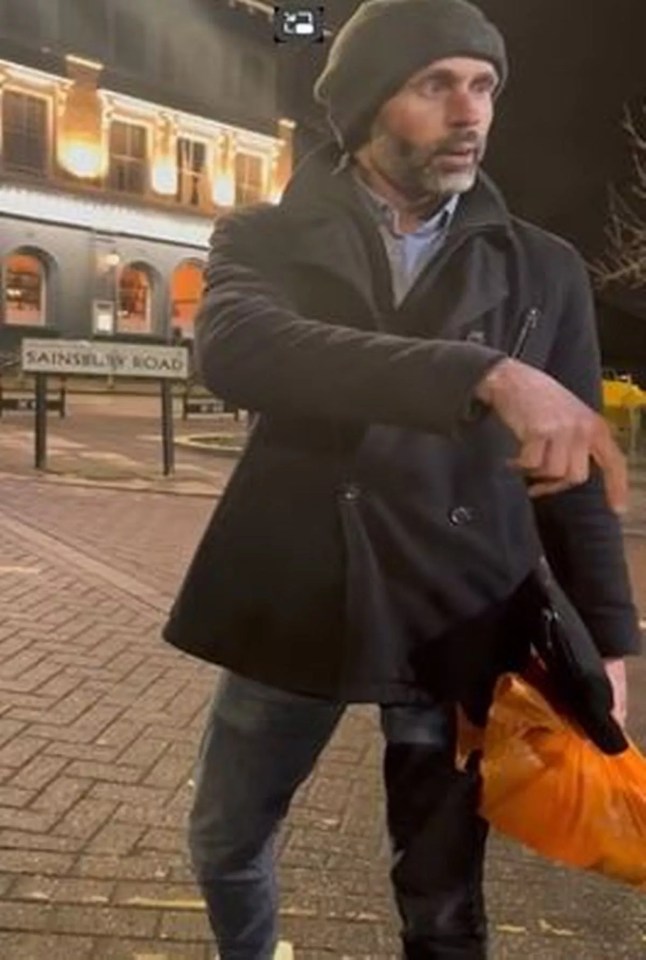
[422, 172]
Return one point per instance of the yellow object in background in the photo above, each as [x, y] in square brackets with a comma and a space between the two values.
[624, 403]
[622, 393]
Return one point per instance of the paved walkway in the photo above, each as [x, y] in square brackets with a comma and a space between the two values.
[113, 440]
[99, 723]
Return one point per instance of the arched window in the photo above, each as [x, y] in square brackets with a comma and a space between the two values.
[186, 293]
[135, 299]
[25, 289]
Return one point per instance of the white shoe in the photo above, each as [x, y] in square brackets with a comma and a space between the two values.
[284, 951]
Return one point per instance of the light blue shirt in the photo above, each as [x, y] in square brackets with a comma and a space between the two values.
[408, 253]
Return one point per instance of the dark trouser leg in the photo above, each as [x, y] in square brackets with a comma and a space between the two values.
[259, 745]
[438, 839]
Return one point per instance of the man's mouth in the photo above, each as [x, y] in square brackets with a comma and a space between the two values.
[460, 157]
[466, 148]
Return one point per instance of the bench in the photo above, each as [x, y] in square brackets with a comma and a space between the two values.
[196, 402]
[15, 399]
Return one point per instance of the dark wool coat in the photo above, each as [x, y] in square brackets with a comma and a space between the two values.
[373, 514]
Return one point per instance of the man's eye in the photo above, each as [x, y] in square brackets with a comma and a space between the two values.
[431, 86]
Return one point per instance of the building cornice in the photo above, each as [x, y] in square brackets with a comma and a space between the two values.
[205, 126]
[104, 216]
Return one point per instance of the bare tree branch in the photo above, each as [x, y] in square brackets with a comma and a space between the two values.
[624, 262]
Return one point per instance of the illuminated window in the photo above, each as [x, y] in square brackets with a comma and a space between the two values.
[24, 132]
[249, 178]
[24, 285]
[186, 293]
[191, 168]
[128, 157]
[135, 300]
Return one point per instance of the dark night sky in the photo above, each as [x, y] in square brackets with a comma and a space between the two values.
[559, 140]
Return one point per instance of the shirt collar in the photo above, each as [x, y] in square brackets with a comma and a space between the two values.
[386, 215]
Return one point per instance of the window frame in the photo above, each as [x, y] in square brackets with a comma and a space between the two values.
[250, 155]
[196, 263]
[47, 101]
[149, 272]
[203, 142]
[147, 158]
[41, 258]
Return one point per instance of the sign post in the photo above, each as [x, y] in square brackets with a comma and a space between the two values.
[93, 358]
[40, 422]
[168, 440]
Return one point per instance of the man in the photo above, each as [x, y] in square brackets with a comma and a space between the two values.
[385, 513]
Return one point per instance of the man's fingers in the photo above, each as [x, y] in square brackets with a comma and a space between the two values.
[563, 461]
[556, 460]
[531, 457]
[580, 462]
[621, 715]
[556, 431]
[616, 671]
[612, 463]
[567, 465]
[546, 488]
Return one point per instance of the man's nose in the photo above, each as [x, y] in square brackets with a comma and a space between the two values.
[464, 110]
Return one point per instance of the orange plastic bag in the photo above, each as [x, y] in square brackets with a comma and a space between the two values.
[547, 786]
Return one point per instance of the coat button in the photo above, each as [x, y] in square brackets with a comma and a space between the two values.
[350, 491]
[461, 516]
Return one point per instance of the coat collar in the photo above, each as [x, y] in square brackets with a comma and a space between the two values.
[323, 185]
[336, 233]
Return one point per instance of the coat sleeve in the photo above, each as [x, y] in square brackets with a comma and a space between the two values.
[581, 535]
[256, 351]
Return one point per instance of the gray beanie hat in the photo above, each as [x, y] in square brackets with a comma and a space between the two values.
[384, 43]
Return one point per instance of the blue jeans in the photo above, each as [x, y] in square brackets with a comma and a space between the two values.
[259, 745]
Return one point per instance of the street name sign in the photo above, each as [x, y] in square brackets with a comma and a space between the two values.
[94, 358]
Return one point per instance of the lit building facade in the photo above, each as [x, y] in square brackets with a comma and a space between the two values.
[122, 137]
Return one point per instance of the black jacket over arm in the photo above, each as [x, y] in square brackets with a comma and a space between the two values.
[372, 514]
[258, 349]
[582, 538]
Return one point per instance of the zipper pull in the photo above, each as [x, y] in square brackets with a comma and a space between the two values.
[531, 321]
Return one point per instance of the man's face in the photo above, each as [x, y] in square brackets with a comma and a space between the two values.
[429, 139]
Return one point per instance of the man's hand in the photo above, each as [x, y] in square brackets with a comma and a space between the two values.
[616, 670]
[558, 434]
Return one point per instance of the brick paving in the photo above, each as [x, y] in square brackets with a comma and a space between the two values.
[115, 440]
[99, 723]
